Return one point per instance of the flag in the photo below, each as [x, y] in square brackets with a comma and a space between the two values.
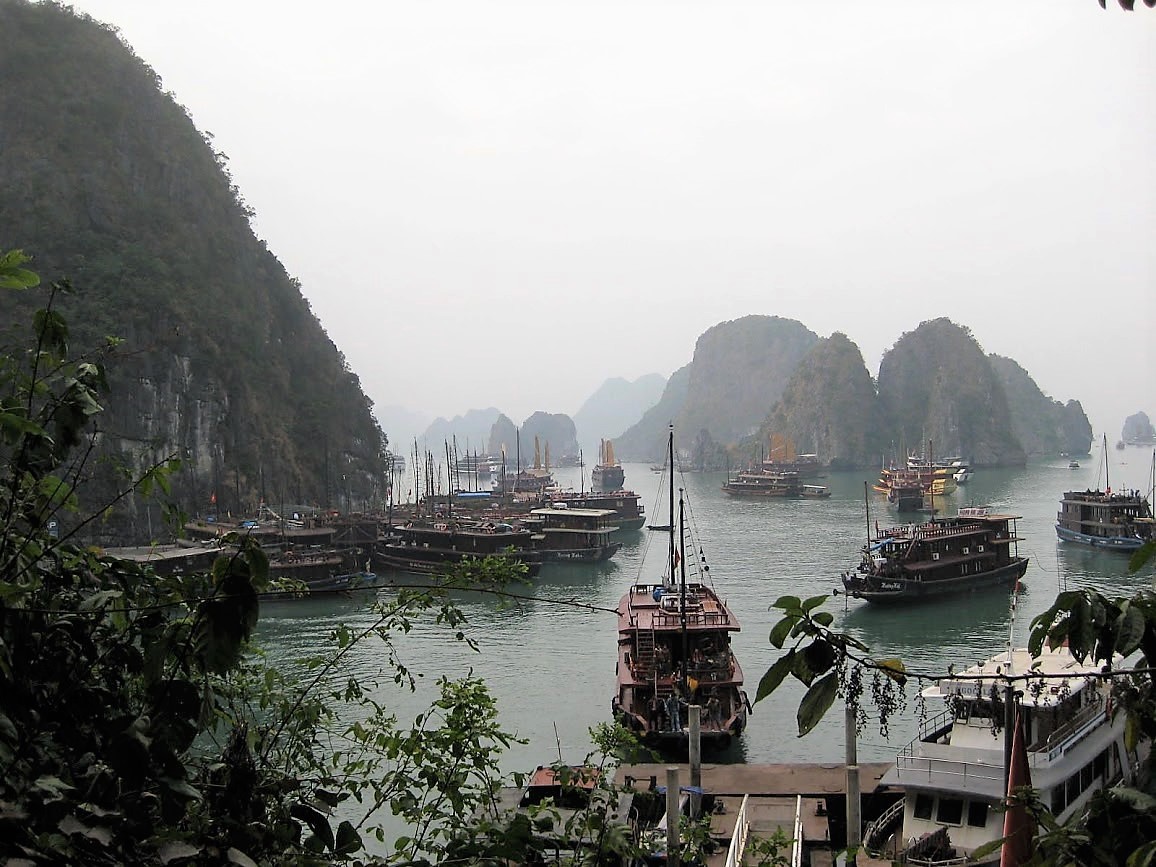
[1018, 827]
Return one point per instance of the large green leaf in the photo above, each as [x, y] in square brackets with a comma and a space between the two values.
[1131, 625]
[782, 629]
[816, 702]
[774, 676]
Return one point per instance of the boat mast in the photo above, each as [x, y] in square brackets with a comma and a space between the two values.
[670, 532]
[867, 510]
[682, 595]
[1104, 450]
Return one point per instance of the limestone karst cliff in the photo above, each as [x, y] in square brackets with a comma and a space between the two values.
[737, 373]
[1043, 426]
[105, 180]
[829, 407]
[936, 384]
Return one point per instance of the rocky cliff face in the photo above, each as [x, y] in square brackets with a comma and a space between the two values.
[829, 406]
[646, 440]
[937, 384]
[737, 375]
[1044, 427]
[106, 181]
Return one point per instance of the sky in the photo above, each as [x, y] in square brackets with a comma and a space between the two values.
[506, 203]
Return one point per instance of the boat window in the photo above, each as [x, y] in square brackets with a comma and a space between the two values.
[1086, 777]
[923, 804]
[1073, 788]
[950, 811]
[977, 814]
[1100, 767]
[1059, 802]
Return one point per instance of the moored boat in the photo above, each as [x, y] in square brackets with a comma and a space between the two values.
[762, 483]
[629, 513]
[607, 474]
[971, 551]
[1120, 520]
[952, 775]
[565, 535]
[674, 650]
[431, 547]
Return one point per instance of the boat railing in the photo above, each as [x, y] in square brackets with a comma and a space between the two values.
[881, 827]
[672, 619]
[1085, 719]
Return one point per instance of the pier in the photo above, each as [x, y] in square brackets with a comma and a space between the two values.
[807, 801]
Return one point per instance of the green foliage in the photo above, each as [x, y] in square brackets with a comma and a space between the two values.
[138, 724]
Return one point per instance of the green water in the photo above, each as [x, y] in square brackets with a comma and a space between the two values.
[551, 665]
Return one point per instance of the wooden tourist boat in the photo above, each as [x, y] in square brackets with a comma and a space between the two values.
[565, 535]
[1119, 520]
[971, 551]
[761, 483]
[629, 513]
[431, 547]
[674, 649]
[607, 474]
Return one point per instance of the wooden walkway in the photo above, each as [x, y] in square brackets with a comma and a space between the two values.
[773, 791]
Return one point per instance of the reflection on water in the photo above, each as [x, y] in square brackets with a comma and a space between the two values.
[549, 658]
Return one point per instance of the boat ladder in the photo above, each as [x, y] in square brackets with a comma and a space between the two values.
[644, 651]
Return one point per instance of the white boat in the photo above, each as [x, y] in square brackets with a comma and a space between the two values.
[952, 775]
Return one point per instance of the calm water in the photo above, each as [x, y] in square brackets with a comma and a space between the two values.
[551, 666]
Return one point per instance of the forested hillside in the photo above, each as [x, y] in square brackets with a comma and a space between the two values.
[106, 181]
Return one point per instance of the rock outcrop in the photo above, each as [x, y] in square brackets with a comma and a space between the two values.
[936, 384]
[830, 407]
[1043, 426]
[106, 181]
[737, 374]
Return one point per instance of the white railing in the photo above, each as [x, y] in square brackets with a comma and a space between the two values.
[797, 842]
[881, 825]
[739, 836]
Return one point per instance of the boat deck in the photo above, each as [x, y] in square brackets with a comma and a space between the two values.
[811, 780]
[640, 610]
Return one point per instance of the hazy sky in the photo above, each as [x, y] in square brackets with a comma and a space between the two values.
[500, 203]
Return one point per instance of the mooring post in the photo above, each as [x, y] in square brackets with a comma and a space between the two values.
[672, 816]
[854, 822]
[695, 761]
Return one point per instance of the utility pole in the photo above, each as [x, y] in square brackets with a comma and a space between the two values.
[854, 821]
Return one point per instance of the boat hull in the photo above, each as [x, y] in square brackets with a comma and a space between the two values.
[892, 590]
[1114, 543]
[431, 561]
[577, 555]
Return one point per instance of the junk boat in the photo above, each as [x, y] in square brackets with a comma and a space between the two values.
[607, 474]
[953, 775]
[971, 551]
[674, 650]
